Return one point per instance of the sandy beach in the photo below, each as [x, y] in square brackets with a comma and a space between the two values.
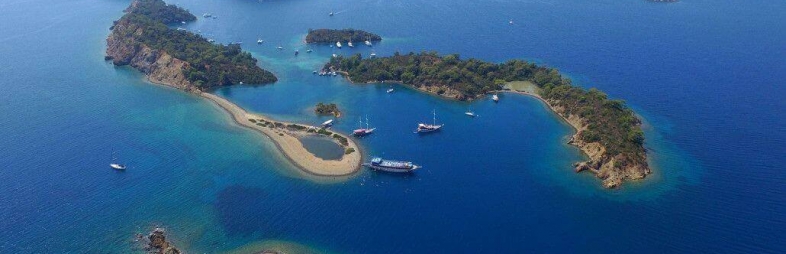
[287, 141]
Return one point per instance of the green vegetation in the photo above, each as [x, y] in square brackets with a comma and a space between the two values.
[341, 139]
[160, 11]
[325, 132]
[343, 35]
[208, 64]
[327, 109]
[296, 127]
[349, 150]
[609, 122]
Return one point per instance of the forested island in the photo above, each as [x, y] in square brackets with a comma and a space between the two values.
[606, 130]
[327, 109]
[142, 39]
[340, 35]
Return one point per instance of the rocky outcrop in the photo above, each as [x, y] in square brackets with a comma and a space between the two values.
[608, 168]
[157, 243]
[159, 66]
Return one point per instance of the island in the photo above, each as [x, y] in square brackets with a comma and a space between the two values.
[183, 60]
[156, 243]
[142, 39]
[342, 35]
[607, 131]
[327, 109]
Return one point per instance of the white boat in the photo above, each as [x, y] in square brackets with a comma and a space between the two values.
[117, 166]
[331, 14]
[181, 29]
[334, 55]
[510, 22]
[207, 15]
[368, 43]
[390, 90]
[280, 48]
[391, 165]
[182, 22]
[495, 98]
[350, 44]
[338, 44]
[426, 128]
[373, 54]
[211, 40]
[327, 123]
[308, 51]
[470, 113]
[260, 41]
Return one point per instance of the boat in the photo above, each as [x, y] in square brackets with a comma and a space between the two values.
[360, 131]
[470, 113]
[338, 44]
[368, 43]
[327, 123]
[510, 22]
[280, 48]
[115, 165]
[308, 51]
[390, 90]
[334, 55]
[331, 14]
[211, 40]
[495, 98]
[181, 29]
[373, 54]
[260, 41]
[391, 165]
[350, 44]
[182, 22]
[297, 52]
[207, 15]
[425, 128]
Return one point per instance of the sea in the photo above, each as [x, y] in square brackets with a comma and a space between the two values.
[706, 78]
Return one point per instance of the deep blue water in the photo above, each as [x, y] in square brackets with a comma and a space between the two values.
[706, 77]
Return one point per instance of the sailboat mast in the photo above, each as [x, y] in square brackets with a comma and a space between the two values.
[435, 117]
[366, 121]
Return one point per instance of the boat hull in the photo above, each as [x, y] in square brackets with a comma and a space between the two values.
[388, 169]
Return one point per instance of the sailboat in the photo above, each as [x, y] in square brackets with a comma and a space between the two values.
[362, 131]
[350, 44]
[368, 43]
[470, 113]
[260, 41]
[495, 98]
[425, 128]
[114, 165]
[338, 44]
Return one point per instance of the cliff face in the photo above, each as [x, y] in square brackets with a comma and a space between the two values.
[603, 165]
[159, 66]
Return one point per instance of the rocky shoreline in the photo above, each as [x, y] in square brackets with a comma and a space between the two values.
[599, 163]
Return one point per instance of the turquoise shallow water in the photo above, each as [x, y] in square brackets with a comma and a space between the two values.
[704, 75]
